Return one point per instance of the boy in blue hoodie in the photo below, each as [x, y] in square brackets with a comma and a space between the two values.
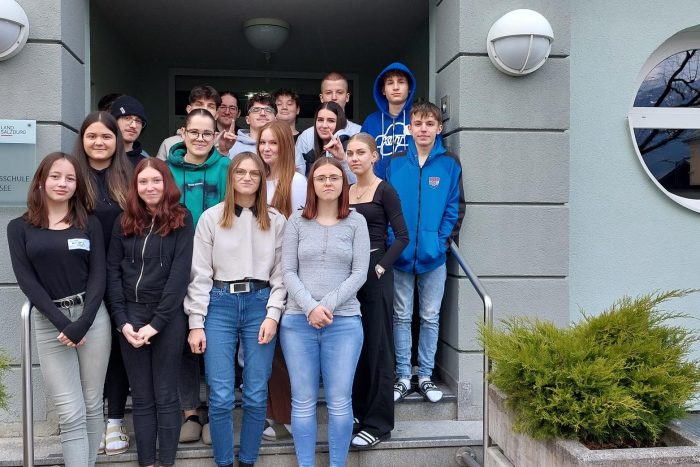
[428, 180]
[393, 93]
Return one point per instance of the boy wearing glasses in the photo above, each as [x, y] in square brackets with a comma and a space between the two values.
[131, 118]
[228, 112]
[261, 109]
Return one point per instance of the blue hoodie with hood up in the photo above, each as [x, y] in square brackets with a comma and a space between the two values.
[390, 132]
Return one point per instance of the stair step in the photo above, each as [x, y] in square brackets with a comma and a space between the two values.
[412, 443]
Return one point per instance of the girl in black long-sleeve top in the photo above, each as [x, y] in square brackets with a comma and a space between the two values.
[148, 270]
[59, 261]
[377, 201]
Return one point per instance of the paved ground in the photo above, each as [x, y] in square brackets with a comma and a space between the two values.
[691, 423]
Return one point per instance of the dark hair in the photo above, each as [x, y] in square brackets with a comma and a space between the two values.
[282, 199]
[340, 123]
[425, 108]
[200, 113]
[232, 94]
[287, 92]
[261, 98]
[169, 214]
[260, 195]
[204, 92]
[311, 209]
[118, 174]
[106, 101]
[396, 73]
[37, 213]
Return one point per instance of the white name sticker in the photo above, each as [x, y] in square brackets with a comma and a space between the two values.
[79, 244]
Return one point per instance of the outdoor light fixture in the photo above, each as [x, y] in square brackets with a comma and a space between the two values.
[14, 28]
[266, 34]
[519, 42]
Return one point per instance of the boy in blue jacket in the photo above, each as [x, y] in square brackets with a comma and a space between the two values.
[428, 180]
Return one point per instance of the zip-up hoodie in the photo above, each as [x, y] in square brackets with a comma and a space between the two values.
[389, 131]
[201, 186]
[149, 269]
[432, 200]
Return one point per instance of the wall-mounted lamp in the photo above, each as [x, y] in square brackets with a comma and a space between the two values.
[14, 28]
[266, 34]
[519, 42]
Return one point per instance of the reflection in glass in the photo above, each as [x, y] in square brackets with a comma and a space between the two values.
[673, 158]
[675, 82]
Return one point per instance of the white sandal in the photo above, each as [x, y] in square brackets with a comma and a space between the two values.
[116, 440]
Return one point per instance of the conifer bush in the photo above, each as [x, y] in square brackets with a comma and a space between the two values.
[612, 379]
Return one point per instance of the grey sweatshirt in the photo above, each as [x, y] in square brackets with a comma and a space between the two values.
[325, 265]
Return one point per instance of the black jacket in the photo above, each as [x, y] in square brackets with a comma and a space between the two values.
[149, 269]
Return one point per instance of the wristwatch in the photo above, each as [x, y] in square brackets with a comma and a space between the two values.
[379, 270]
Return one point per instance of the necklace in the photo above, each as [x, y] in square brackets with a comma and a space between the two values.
[359, 195]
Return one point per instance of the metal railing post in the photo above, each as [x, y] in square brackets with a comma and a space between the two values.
[27, 394]
[488, 321]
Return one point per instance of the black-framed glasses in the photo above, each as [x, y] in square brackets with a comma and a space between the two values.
[231, 108]
[195, 134]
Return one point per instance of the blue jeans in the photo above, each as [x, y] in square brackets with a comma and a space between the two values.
[231, 317]
[431, 287]
[332, 353]
[75, 378]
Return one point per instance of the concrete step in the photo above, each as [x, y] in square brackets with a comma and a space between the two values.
[412, 443]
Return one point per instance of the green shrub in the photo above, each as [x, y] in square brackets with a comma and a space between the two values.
[615, 378]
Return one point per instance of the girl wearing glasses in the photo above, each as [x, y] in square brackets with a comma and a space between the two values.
[100, 153]
[286, 192]
[377, 201]
[236, 293]
[59, 261]
[200, 172]
[325, 258]
[148, 270]
[328, 119]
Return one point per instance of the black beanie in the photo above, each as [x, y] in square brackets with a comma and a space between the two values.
[127, 105]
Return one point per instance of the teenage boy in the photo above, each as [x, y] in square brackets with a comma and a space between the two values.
[334, 87]
[228, 112]
[131, 119]
[428, 179]
[288, 108]
[201, 97]
[393, 92]
[260, 110]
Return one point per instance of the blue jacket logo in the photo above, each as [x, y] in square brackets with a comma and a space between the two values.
[433, 181]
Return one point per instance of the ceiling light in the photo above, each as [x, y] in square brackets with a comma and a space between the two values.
[266, 34]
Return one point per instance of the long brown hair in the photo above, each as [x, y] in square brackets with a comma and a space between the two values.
[286, 165]
[169, 214]
[37, 213]
[340, 123]
[260, 195]
[311, 209]
[119, 172]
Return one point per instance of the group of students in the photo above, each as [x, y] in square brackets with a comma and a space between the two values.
[227, 242]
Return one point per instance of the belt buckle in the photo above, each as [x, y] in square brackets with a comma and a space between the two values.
[239, 287]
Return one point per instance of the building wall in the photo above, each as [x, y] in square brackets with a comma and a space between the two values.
[45, 82]
[513, 140]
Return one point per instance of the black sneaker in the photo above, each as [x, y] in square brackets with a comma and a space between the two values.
[400, 391]
[429, 391]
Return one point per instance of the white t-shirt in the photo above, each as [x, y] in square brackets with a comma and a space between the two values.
[298, 191]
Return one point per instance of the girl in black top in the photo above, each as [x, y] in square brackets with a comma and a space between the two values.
[100, 152]
[148, 270]
[372, 394]
[59, 261]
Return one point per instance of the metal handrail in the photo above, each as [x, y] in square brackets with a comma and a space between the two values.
[27, 394]
[488, 321]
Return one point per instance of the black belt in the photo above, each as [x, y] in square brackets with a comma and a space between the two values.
[73, 300]
[241, 286]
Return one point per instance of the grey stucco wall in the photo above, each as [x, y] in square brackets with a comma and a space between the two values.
[626, 236]
[513, 140]
[46, 83]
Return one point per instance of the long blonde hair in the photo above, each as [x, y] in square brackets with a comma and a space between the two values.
[285, 167]
[260, 195]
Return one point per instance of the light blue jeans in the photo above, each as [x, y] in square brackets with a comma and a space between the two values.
[75, 378]
[331, 353]
[231, 317]
[431, 287]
